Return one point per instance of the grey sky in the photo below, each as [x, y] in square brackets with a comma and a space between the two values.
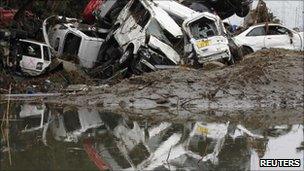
[290, 12]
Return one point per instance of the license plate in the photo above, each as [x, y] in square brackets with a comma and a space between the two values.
[203, 43]
[202, 130]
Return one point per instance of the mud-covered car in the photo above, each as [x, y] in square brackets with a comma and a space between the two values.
[269, 35]
[142, 39]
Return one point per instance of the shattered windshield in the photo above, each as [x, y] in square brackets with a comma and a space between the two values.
[203, 28]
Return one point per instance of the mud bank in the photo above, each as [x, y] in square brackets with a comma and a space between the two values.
[269, 79]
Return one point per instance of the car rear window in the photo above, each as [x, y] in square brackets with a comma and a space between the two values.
[30, 49]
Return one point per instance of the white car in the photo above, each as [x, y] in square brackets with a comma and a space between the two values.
[272, 36]
[35, 57]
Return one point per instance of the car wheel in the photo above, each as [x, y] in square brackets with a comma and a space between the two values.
[231, 61]
[247, 50]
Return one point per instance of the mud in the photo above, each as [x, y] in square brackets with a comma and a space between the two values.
[54, 81]
[269, 79]
[57, 137]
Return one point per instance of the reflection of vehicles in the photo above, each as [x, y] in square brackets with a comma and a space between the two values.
[214, 137]
[74, 122]
[272, 36]
[35, 116]
[134, 146]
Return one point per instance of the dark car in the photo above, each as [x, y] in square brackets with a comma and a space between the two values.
[224, 8]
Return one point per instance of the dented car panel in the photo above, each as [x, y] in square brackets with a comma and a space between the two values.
[141, 30]
[166, 21]
[166, 49]
[134, 23]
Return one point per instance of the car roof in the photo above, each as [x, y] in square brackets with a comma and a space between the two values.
[263, 24]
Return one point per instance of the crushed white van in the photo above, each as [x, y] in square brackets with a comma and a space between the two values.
[205, 34]
[75, 39]
[144, 28]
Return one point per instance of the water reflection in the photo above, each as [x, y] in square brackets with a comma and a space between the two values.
[52, 138]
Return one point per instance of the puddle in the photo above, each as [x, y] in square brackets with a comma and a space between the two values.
[44, 137]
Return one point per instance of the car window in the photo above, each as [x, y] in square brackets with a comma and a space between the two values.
[203, 28]
[140, 14]
[57, 44]
[30, 49]
[277, 30]
[259, 31]
[46, 53]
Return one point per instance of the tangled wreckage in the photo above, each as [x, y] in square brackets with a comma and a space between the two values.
[140, 36]
[132, 37]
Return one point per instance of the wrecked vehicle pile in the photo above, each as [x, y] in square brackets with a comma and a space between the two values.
[129, 37]
[142, 36]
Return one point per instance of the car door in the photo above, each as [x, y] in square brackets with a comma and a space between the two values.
[30, 56]
[255, 38]
[279, 37]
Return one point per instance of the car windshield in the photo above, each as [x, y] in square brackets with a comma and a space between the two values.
[203, 28]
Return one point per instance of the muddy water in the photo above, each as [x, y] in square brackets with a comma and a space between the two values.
[45, 137]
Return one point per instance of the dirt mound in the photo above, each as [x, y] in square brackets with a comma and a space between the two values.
[266, 79]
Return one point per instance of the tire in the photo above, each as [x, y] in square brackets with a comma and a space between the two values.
[231, 61]
[246, 50]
